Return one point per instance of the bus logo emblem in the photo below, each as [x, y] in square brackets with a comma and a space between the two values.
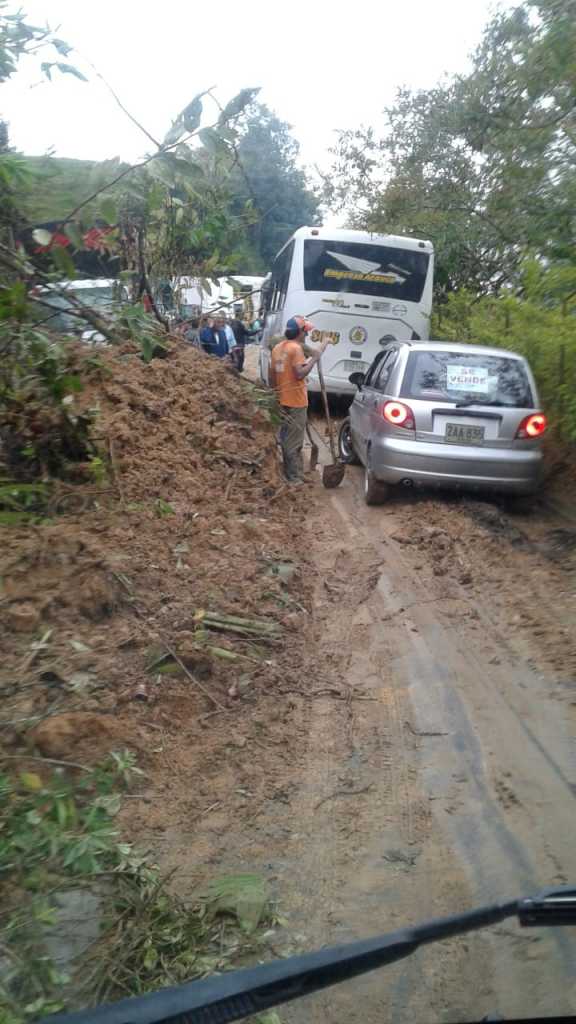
[358, 335]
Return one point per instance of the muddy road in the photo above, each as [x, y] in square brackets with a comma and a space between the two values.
[418, 762]
[447, 777]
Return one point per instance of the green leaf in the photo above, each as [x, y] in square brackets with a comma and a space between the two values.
[228, 133]
[62, 47]
[41, 236]
[161, 169]
[69, 69]
[212, 141]
[244, 896]
[46, 69]
[237, 105]
[31, 781]
[187, 121]
[75, 236]
[108, 210]
[192, 114]
[187, 171]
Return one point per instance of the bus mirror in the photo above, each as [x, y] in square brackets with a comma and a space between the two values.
[357, 379]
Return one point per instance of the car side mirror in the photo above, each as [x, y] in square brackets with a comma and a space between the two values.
[357, 379]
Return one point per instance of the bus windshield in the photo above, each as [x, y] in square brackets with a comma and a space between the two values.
[366, 269]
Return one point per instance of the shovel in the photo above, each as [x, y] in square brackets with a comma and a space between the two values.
[313, 450]
[332, 476]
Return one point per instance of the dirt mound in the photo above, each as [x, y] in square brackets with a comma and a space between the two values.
[98, 607]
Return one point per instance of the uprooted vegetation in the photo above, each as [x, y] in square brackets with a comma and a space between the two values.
[86, 917]
[152, 583]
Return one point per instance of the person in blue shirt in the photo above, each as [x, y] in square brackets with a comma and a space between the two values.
[214, 340]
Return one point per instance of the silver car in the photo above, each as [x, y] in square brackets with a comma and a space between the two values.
[442, 414]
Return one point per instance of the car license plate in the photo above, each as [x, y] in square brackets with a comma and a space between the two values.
[459, 433]
[351, 365]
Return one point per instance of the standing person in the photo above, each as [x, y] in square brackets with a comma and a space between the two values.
[229, 335]
[191, 332]
[289, 368]
[242, 336]
[214, 340]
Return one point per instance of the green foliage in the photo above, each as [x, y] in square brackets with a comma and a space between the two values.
[50, 829]
[237, 105]
[57, 185]
[484, 165]
[143, 330]
[40, 430]
[58, 832]
[21, 502]
[18, 38]
[268, 186]
[163, 508]
[242, 896]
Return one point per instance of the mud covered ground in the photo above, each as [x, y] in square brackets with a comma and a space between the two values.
[416, 759]
[406, 750]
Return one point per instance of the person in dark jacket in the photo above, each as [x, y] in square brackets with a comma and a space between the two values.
[242, 336]
[214, 341]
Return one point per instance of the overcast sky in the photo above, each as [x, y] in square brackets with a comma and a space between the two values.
[322, 65]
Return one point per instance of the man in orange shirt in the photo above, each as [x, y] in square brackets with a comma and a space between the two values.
[289, 368]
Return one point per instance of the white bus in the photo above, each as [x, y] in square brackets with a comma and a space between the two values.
[363, 289]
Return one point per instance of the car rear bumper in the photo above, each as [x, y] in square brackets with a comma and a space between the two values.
[514, 470]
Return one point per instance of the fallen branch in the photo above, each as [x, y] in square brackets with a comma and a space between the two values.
[191, 677]
[45, 760]
[415, 732]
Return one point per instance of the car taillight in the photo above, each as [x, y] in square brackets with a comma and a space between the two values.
[399, 415]
[532, 426]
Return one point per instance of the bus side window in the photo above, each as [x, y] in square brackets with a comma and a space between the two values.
[280, 278]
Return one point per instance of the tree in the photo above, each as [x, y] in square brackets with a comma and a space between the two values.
[483, 165]
[267, 178]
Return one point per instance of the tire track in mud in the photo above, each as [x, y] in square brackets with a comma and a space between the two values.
[469, 802]
[357, 868]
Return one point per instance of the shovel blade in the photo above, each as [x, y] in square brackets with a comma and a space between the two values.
[332, 476]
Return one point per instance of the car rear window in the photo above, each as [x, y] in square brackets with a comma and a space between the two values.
[463, 377]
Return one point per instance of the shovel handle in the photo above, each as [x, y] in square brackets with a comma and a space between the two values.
[327, 411]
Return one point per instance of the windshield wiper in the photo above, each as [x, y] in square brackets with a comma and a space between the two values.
[472, 401]
[239, 994]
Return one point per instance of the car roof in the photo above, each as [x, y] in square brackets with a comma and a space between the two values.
[462, 348]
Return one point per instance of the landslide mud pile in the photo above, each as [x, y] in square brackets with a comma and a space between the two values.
[188, 514]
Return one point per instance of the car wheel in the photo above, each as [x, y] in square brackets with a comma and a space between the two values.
[345, 446]
[375, 491]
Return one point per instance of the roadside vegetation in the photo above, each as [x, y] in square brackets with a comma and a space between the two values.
[61, 858]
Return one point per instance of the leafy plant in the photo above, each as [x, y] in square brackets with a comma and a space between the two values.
[40, 430]
[163, 508]
[56, 831]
